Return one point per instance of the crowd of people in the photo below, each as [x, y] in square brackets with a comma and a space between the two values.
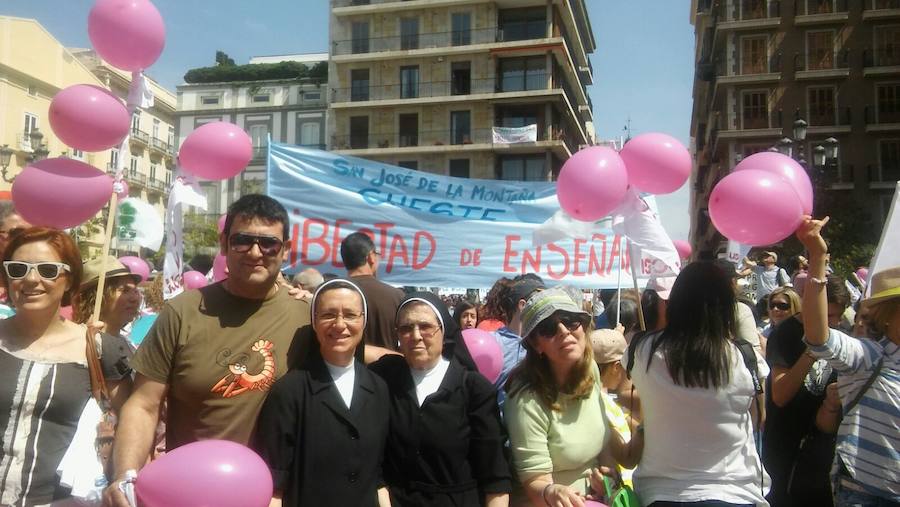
[355, 392]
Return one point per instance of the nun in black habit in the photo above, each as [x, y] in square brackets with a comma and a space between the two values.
[445, 444]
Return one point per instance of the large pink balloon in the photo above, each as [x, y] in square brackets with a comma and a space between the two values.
[485, 351]
[592, 183]
[208, 472]
[129, 34]
[684, 249]
[194, 280]
[137, 266]
[216, 151]
[787, 167]
[220, 269]
[755, 207]
[656, 163]
[863, 274]
[89, 118]
[60, 192]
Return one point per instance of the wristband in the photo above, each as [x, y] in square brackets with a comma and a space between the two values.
[126, 486]
[544, 493]
[817, 281]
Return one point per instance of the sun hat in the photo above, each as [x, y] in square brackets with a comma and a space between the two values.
[885, 285]
[609, 345]
[114, 269]
[773, 254]
[545, 303]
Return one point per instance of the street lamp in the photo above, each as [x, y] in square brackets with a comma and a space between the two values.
[39, 150]
[6, 154]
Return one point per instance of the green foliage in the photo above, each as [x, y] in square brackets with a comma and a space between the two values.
[850, 233]
[223, 59]
[201, 234]
[256, 72]
[84, 232]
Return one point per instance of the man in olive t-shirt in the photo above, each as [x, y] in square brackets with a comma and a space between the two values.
[213, 354]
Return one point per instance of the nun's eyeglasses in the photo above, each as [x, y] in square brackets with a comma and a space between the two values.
[331, 318]
[426, 329]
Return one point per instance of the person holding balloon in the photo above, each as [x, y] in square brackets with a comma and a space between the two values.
[445, 446]
[563, 446]
[43, 365]
[323, 427]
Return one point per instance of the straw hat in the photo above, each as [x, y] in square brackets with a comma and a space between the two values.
[114, 269]
[885, 285]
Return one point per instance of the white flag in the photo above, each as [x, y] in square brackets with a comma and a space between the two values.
[184, 192]
[886, 257]
[737, 251]
[138, 222]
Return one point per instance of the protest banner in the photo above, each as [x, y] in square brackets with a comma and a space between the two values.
[432, 230]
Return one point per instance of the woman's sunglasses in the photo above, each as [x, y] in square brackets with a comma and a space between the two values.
[242, 243]
[571, 321]
[17, 270]
[780, 306]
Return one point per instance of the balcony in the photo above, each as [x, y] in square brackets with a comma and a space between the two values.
[813, 12]
[409, 91]
[829, 120]
[883, 117]
[157, 185]
[140, 137]
[824, 66]
[883, 176]
[881, 9]
[881, 61]
[749, 15]
[135, 179]
[757, 72]
[160, 146]
[750, 126]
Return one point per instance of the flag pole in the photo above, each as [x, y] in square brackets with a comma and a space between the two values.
[634, 268]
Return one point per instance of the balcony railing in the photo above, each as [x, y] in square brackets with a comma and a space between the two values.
[140, 136]
[438, 138]
[157, 184]
[811, 7]
[749, 121]
[160, 145]
[829, 61]
[751, 68]
[748, 10]
[829, 116]
[506, 33]
[440, 88]
[888, 112]
[135, 178]
[884, 174]
[882, 57]
[882, 4]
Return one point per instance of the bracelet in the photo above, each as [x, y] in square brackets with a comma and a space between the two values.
[817, 281]
[544, 493]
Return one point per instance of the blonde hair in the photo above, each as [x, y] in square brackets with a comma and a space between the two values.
[880, 313]
[791, 295]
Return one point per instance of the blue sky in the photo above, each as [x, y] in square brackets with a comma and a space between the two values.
[643, 66]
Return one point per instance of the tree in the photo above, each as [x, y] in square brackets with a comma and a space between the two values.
[201, 234]
[222, 59]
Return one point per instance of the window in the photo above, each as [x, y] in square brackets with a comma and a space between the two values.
[518, 74]
[462, 29]
[310, 134]
[360, 42]
[209, 100]
[171, 138]
[754, 55]
[156, 128]
[819, 6]
[459, 168]
[312, 96]
[517, 116]
[755, 110]
[409, 164]
[523, 24]
[523, 168]
[409, 129]
[887, 45]
[261, 98]
[152, 172]
[76, 153]
[820, 50]
[359, 132]
[821, 105]
[136, 121]
[409, 33]
[31, 123]
[888, 103]
[113, 158]
[753, 9]
[359, 85]
[461, 78]
[168, 178]
[889, 158]
[32, 90]
[409, 82]
[460, 127]
[259, 138]
[133, 166]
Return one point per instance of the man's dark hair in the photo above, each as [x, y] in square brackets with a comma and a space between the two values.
[355, 248]
[261, 207]
[836, 291]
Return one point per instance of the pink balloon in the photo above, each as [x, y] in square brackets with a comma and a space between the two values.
[208, 472]
[221, 223]
[863, 274]
[60, 192]
[755, 207]
[787, 167]
[129, 34]
[220, 269]
[137, 266]
[485, 351]
[594, 503]
[216, 151]
[656, 163]
[89, 118]
[592, 183]
[194, 280]
[684, 249]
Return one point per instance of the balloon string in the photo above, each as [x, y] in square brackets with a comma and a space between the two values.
[634, 267]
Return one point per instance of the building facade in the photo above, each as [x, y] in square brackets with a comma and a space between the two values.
[424, 84]
[290, 111]
[761, 65]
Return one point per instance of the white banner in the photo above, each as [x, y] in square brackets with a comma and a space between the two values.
[513, 135]
[183, 192]
[138, 223]
[885, 257]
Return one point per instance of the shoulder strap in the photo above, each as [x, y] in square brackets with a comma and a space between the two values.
[862, 391]
[749, 357]
[95, 370]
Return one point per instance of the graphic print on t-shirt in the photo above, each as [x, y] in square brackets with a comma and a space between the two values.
[237, 380]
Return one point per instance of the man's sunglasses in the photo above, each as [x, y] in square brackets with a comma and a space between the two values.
[17, 270]
[243, 243]
[571, 321]
[780, 306]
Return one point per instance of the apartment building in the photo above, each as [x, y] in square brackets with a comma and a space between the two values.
[291, 111]
[473, 88]
[798, 75]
